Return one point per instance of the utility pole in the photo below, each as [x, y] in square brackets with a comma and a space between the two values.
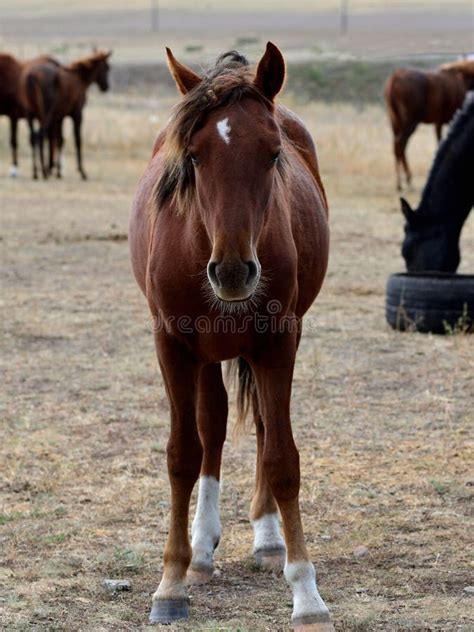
[154, 15]
[344, 17]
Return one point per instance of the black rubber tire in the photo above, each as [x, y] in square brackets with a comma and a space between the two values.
[430, 302]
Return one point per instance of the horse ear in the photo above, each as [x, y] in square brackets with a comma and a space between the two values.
[407, 211]
[270, 72]
[185, 78]
[108, 54]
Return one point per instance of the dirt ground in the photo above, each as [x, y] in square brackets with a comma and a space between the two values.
[382, 419]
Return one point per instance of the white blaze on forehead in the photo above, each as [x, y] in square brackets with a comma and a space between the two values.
[223, 128]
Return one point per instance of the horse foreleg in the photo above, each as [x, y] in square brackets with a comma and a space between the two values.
[14, 146]
[77, 123]
[273, 370]
[212, 421]
[269, 546]
[184, 455]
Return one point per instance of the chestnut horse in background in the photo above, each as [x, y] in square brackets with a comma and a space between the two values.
[229, 230]
[38, 95]
[50, 92]
[415, 96]
[11, 104]
[73, 82]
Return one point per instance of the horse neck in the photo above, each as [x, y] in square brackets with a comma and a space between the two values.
[84, 74]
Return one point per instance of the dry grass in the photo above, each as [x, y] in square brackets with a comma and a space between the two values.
[382, 418]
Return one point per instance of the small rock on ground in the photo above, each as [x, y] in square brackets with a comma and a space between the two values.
[116, 585]
[360, 551]
[469, 590]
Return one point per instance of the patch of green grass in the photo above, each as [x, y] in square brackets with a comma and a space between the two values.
[5, 518]
[56, 538]
[440, 487]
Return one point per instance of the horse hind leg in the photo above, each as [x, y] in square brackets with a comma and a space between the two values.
[41, 138]
[403, 142]
[269, 547]
[33, 145]
[212, 422]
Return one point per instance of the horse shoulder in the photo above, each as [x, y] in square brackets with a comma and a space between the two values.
[142, 217]
[302, 141]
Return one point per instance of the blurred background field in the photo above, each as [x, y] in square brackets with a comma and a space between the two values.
[383, 420]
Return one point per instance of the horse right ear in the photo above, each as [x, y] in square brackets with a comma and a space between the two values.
[185, 78]
[408, 212]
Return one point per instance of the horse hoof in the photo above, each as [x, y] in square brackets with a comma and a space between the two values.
[270, 559]
[316, 623]
[198, 575]
[169, 610]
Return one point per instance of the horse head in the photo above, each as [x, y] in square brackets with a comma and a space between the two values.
[101, 70]
[429, 245]
[231, 154]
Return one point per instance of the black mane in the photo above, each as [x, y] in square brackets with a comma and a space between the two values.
[448, 194]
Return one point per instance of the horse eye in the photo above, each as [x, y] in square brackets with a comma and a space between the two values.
[194, 159]
[274, 160]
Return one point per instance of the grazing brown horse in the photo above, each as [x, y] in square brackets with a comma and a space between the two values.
[414, 96]
[229, 243]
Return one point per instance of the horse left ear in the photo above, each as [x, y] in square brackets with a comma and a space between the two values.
[185, 78]
[407, 211]
[108, 54]
[270, 72]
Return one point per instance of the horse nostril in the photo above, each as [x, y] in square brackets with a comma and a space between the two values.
[252, 272]
[212, 272]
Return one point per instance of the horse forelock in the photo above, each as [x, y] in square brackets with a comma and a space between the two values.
[227, 83]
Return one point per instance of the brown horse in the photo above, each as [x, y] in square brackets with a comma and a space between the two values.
[11, 104]
[50, 92]
[38, 95]
[73, 83]
[229, 243]
[414, 96]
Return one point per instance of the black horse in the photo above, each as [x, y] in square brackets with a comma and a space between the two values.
[432, 231]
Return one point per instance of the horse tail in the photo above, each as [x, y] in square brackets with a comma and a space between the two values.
[34, 96]
[242, 373]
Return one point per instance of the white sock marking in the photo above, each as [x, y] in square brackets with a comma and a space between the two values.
[13, 171]
[267, 532]
[306, 599]
[206, 529]
[223, 128]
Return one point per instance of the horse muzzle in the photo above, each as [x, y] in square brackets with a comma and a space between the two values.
[234, 280]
